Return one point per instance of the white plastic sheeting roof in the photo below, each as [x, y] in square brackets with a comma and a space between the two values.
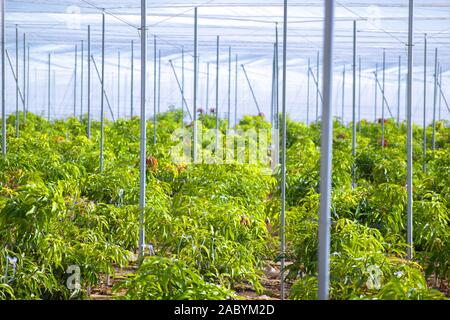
[248, 27]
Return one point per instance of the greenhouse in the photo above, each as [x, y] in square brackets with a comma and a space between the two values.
[225, 150]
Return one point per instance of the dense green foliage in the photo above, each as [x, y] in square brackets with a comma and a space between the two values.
[208, 224]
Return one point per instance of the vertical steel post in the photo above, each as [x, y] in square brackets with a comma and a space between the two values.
[24, 79]
[399, 89]
[3, 82]
[102, 94]
[354, 109]
[182, 86]
[409, 181]
[132, 81]
[89, 85]
[376, 92]
[159, 81]
[217, 91]
[49, 86]
[283, 155]
[236, 90]
[326, 156]
[207, 87]
[82, 81]
[359, 94]
[435, 98]
[229, 88]
[440, 95]
[383, 100]
[118, 84]
[308, 91]
[343, 96]
[424, 164]
[272, 103]
[143, 125]
[28, 83]
[75, 83]
[155, 113]
[17, 81]
[195, 82]
[317, 85]
[277, 80]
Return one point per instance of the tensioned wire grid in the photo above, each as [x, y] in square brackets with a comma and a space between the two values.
[248, 27]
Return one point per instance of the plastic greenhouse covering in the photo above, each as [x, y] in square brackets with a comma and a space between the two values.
[248, 28]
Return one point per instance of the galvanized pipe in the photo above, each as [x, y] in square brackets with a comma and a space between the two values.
[195, 82]
[3, 81]
[283, 155]
[409, 181]
[82, 81]
[435, 98]
[229, 88]
[89, 85]
[354, 109]
[217, 91]
[424, 164]
[326, 156]
[143, 150]
[102, 109]
[75, 83]
[155, 112]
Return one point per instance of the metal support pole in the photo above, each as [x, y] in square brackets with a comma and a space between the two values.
[24, 79]
[326, 156]
[435, 98]
[424, 164]
[272, 104]
[343, 97]
[236, 71]
[102, 102]
[159, 81]
[307, 93]
[409, 181]
[49, 86]
[376, 92]
[399, 89]
[277, 81]
[143, 150]
[75, 83]
[317, 86]
[17, 82]
[82, 81]
[195, 82]
[3, 82]
[207, 87]
[283, 156]
[217, 91]
[89, 85]
[118, 84]
[132, 81]
[354, 109]
[182, 87]
[28, 84]
[155, 112]
[383, 101]
[440, 96]
[251, 89]
[229, 88]
[359, 93]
